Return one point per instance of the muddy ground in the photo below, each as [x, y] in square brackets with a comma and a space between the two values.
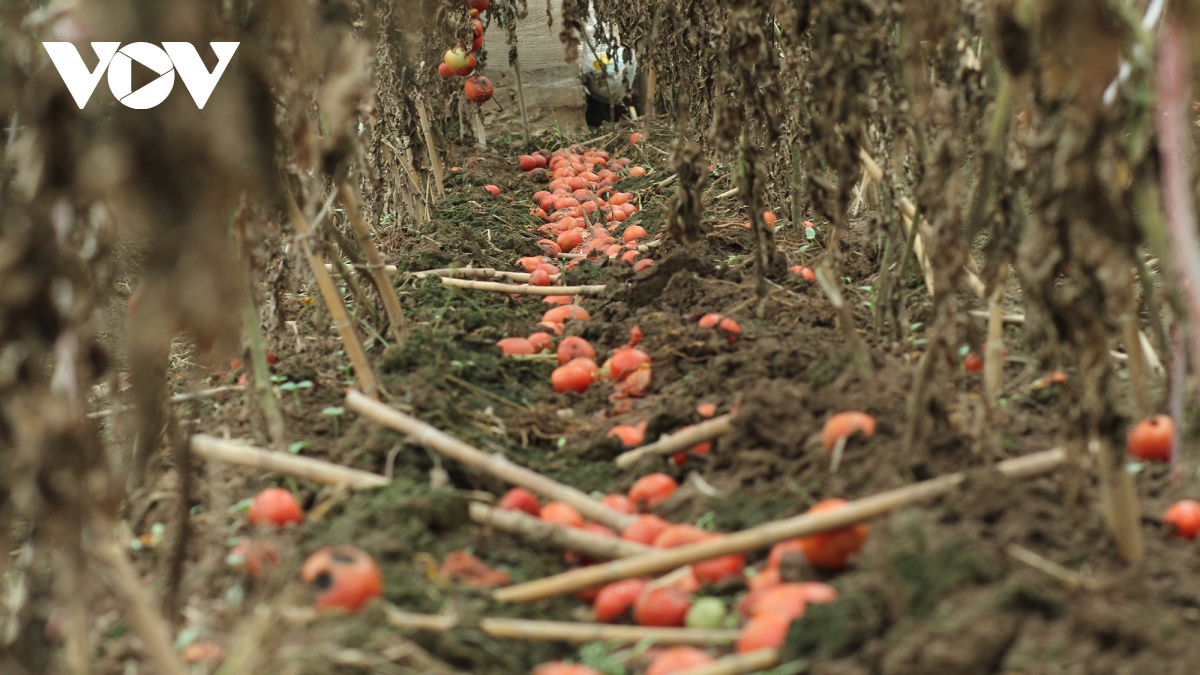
[934, 592]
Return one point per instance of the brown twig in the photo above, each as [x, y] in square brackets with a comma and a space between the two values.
[154, 631]
[564, 631]
[669, 444]
[765, 535]
[565, 538]
[495, 465]
[737, 664]
[318, 471]
[1070, 578]
[375, 266]
[1118, 499]
[177, 398]
[858, 347]
[525, 289]
[333, 301]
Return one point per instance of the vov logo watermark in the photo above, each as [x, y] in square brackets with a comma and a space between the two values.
[167, 60]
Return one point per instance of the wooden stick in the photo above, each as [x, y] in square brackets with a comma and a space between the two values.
[858, 347]
[1118, 499]
[737, 664]
[669, 444]
[435, 162]
[375, 266]
[566, 631]
[318, 471]
[496, 465]
[438, 623]
[524, 289]
[333, 300]
[149, 625]
[480, 272]
[765, 535]
[566, 538]
[733, 192]
[1068, 577]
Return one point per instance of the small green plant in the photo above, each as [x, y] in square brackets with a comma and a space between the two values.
[335, 412]
[299, 446]
[295, 388]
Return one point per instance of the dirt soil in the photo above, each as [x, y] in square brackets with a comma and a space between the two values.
[934, 592]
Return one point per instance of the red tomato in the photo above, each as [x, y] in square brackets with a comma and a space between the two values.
[1183, 518]
[492, 189]
[527, 163]
[830, 550]
[846, 424]
[636, 383]
[665, 606]
[275, 506]
[479, 5]
[562, 513]
[635, 138]
[623, 362]
[635, 336]
[629, 256]
[706, 410]
[804, 272]
[677, 659]
[619, 503]
[445, 70]
[709, 320]
[716, 570]
[344, 576]
[972, 363]
[539, 277]
[574, 347]
[650, 491]
[563, 668]
[550, 248]
[643, 264]
[786, 600]
[631, 435]
[511, 346]
[541, 341]
[570, 377]
[762, 632]
[478, 88]
[570, 240]
[731, 327]
[617, 597]
[561, 314]
[530, 263]
[633, 232]
[817, 593]
[254, 556]
[520, 499]
[679, 535]
[637, 172]
[1153, 439]
[645, 529]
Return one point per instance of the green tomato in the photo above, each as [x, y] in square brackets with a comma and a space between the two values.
[706, 613]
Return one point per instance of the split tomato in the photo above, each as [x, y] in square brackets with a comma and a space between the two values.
[574, 347]
[845, 424]
[652, 490]
[664, 607]
[829, 551]
[631, 435]
[345, 577]
[763, 632]
[616, 598]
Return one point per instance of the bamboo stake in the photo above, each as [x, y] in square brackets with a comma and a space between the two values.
[566, 538]
[480, 272]
[1118, 499]
[669, 444]
[566, 631]
[333, 300]
[524, 289]
[318, 471]
[149, 625]
[737, 664]
[858, 347]
[375, 266]
[993, 357]
[732, 192]
[438, 623]
[435, 162]
[765, 535]
[496, 465]
[521, 98]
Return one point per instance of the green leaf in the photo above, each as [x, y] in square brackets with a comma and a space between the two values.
[333, 411]
[304, 384]
[810, 233]
[295, 448]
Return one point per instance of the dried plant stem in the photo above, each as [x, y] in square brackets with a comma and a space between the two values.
[521, 99]
[1139, 386]
[154, 631]
[383, 284]
[993, 358]
[435, 160]
[858, 346]
[495, 465]
[1173, 143]
[524, 289]
[669, 444]
[1118, 499]
[177, 398]
[763, 536]
[262, 372]
[333, 300]
[565, 631]
[1068, 577]
[438, 623]
[565, 538]
[737, 664]
[478, 272]
[318, 471]
[648, 113]
[477, 128]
